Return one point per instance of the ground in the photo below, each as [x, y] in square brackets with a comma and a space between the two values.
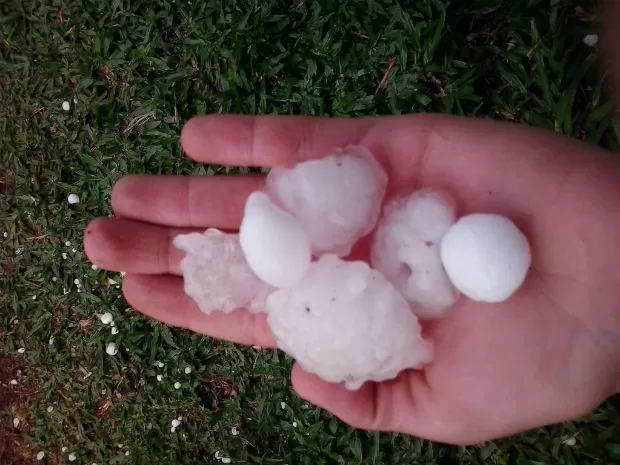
[132, 72]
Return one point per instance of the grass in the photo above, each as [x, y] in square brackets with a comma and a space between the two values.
[137, 70]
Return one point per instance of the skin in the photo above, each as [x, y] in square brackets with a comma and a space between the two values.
[548, 354]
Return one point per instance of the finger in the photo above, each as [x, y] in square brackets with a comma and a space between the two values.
[267, 140]
[387, 406]
[184, 201]
[141, 248]
[162, 298]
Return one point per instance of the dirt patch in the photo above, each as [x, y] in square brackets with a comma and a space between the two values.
[6, 177]
[14, 390]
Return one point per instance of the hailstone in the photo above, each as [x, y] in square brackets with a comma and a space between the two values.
[216, 274]
[337, 199]
[406, 250]
[486, 257]
[274, 244]
[346, 323]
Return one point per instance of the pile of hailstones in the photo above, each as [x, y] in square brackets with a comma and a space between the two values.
[345, 320]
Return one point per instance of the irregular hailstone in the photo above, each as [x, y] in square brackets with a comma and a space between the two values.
[274, 244]
[216, 275]
[337, 199]
[406, 250]
[486, 257]
[346, 323]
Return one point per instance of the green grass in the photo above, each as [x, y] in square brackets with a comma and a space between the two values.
[138, 70]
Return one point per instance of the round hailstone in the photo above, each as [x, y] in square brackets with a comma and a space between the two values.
[177, 385]
[275, 245]
[486, 257]
[406, 250]
[346, 323]
[336, 199]
[73, 199]
[40, 456]
[66, 106]
[107, 318]
[176, 423]
[111, 349]
[216, 274]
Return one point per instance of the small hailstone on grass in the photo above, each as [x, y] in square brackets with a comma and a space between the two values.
[112, 282]
[173, 429]
[486, 257]
[50, 409]
[77, 282]
[114, 330]
[226, 460]
[75, 100]
[283, 405]
[337, 199]
[13, 382]
[176, 423]
[51, 341]
[405, 250]
[74, 250]
[54, 279]
[73, 199]
[34, 297]
[107, 318]
[216, 274]
[65, 255]
[72, 457]
[294, 424]
[66, 105]
[160, 378]
[177, 385]
[234, 431]
[346, 323]
[64, 449]
[16, 422]
[111, 349]
[188, 370]
[180, 418]
[5, 234]
[160, 364]
[94, 267]
[40, 456]
[67, 243]
[21, 350]
[113, 324]
[591, 40]
[571, 442]
[127, 453]
[276, 247]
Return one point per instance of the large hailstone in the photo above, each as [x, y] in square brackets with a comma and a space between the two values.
[273, 242]
[346, 323]
[216, 275]
[486, 257]
[337, 199]
[406, 250]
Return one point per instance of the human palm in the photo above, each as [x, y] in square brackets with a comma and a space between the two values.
[548, 354]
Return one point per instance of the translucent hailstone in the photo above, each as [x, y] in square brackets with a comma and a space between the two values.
[273, 242]
[406, 250]
[486, 257]
[216, 275]
[346, 323]
[337, 199]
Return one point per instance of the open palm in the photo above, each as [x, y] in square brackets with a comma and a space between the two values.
[548, 354]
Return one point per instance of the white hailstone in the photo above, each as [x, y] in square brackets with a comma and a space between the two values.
[216, 274]
[218, 455]
[112, 282]
[13, 382]
[64, 449]
[73, 199]
[571, 442]
[40, 456]
[176, 423]
[72, 457]
[188, 370]
[405, 250]
[34, 297]
[77, 282]
[160, 378]
[294, 424]
[283, 405]
[120, 446]
[226, 460]
[160, 364]
[94, 267]
[21, 350]
[51, 341]
[5, 234]
[180, 418]
[75, 100]
[274, 244]
[54, 279]
[234, 431]
[114, 330]
[127, 453]
[16, 422]
[64, 255]
[67, 243]
[107, 318]
[177, 385]
[346, 323]
[486, 257]
[50, 409]
[173, 429]
[74, 250]
[591, 40]
[66, 106]
[337, 199]
[113, 324]
[111, 349]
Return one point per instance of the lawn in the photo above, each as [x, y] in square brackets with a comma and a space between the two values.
[133, 71]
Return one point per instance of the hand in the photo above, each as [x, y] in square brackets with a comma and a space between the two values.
[549, 354]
